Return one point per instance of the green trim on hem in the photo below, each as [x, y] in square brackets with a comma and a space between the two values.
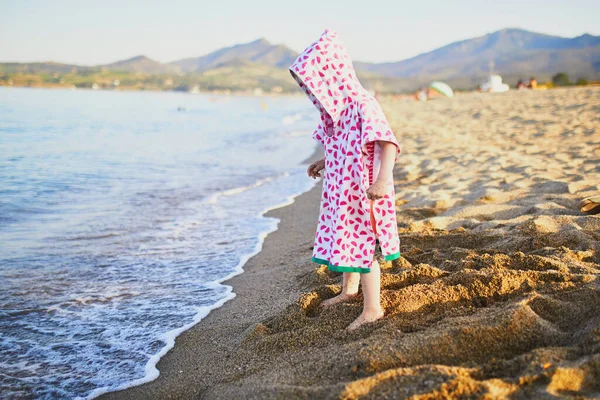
[389, 257]
[340, 268]
[320, 261]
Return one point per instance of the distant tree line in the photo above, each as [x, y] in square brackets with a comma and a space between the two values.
[562, 79]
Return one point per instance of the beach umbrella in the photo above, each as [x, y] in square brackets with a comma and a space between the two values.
[442, 87]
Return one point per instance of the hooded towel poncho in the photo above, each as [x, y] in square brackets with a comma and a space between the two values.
[350, 118]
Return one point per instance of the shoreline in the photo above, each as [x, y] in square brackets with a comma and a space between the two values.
[296, 219]
[200, 93]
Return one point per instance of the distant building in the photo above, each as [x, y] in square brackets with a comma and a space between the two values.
[494, 85]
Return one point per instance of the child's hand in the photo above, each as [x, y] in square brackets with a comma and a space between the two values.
[376, 191]
[314, 168]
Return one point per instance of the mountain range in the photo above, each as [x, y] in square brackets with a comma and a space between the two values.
[509, 52]
[513, 53]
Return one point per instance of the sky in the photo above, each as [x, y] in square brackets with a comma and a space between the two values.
[88, 32]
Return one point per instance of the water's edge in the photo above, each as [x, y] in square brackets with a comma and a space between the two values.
[151, 372]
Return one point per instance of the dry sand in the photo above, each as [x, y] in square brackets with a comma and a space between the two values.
[496, 295]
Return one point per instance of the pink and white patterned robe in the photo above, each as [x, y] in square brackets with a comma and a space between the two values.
[350, 118]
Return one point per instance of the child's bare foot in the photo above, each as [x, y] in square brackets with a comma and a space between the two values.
[364, 318]
[338, 299]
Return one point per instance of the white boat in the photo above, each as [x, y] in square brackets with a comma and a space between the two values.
[494, 85]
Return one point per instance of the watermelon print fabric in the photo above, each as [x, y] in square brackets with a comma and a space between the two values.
[351, 120]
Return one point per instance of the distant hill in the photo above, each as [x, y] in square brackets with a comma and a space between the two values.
[144, 65]
[43, 67]
[514, 52]
[259, 51]
[139, 64]
[242, 74]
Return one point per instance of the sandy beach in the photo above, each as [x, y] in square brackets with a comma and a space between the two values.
[496, 294]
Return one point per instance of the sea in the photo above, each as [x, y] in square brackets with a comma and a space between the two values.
[122, 214]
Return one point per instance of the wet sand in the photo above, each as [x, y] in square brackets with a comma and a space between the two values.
[496, 295]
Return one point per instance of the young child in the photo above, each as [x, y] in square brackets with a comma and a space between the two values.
[357, 209]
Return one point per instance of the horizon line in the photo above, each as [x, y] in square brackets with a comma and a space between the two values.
[263, 38]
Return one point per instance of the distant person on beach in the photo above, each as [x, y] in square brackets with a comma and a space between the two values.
[357, 211]
[520, 85]
[532, 83]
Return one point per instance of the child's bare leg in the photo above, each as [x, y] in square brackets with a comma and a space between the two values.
[372, 310]
[349, 289]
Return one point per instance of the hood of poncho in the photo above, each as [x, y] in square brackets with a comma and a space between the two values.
[325, 73]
